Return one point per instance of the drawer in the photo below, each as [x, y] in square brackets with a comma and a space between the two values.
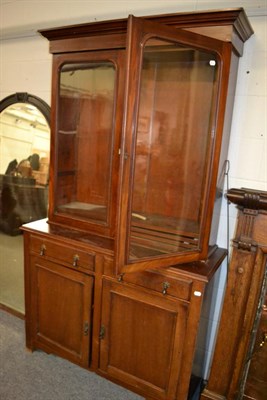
[164, 283]
[67, 255]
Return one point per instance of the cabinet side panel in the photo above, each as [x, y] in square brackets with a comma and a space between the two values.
[223, 167]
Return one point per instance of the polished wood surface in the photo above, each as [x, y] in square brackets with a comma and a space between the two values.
[139, 30]
[71, 236]
[61, 301]
[226, 25]
[256, 380]
[171, 213]
[134, 315]
[85, 146]
[53, 274]
[244, 285]
[115, 279]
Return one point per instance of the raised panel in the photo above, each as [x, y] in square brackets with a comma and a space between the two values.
[143, 342]
[62, 310]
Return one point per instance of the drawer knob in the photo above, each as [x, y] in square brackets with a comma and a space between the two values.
[264, 339]
[165, 287]
[75, 260]
[42, 250]
[120, 278]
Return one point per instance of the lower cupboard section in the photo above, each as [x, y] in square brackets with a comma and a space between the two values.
[131, 332]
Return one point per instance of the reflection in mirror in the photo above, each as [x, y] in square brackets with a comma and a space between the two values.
[24, 164]
[24, 161]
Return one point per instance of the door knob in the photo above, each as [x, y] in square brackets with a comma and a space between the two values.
[264, 339]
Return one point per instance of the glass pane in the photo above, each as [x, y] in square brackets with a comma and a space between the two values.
[173, 141]
[85, 140]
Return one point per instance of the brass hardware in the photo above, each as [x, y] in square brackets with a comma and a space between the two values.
[264, 339]
[75, 260]
[42, 250]
[102, 332]
[245, 244]
[120, 278]
[165, 286]
[240, 270]
[86, 329]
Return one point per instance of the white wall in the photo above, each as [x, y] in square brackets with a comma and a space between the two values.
[26, 66]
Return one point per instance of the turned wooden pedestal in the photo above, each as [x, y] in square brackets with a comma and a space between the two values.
[244, 292]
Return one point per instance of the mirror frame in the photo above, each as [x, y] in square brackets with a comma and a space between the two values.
[44, 108]
[23, 97]
[40, 105]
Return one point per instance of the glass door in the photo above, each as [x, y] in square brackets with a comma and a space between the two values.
[170, 133]
[88, 128]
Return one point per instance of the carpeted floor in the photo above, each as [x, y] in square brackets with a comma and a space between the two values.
[39, 376]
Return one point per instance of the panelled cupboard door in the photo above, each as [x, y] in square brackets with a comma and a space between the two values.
[142, 339]
[62, 303]
[171, 144]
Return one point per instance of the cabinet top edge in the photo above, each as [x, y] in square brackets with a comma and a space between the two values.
[202, 270]
[232, 16]
[42, 227]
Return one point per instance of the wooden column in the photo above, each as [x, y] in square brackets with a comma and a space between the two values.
[244, 284]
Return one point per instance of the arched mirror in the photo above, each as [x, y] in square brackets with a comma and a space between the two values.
[24, 165]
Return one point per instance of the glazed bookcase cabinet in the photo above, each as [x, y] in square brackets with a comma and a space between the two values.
[140, 122]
